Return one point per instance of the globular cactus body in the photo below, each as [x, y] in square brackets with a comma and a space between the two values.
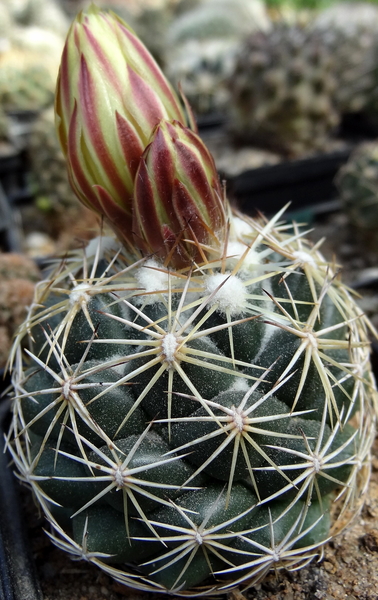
[190, 430]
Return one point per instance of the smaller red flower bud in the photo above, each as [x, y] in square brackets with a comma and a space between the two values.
[179, 210]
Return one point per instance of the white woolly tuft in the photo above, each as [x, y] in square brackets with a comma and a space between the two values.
[239, 385]
[240, 227]
[169, 346]
[152, 278]
[304, 258]
[80, 293]
[105, 243]
[235, 250]
[231, 297]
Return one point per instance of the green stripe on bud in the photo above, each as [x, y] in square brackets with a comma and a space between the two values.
[179, 207]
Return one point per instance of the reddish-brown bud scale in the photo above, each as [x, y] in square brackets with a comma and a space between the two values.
[179, 211]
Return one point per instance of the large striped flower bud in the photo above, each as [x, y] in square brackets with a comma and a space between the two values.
[179, 207]
[110, 96]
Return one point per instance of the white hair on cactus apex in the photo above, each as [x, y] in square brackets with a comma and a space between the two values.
[152, 277]
[304, 258]
[80, 293]
[169, 347]
[240, 228]
[106, 243]
[230, 293]
[235, 251]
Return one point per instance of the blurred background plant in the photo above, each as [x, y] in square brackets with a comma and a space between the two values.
[201, 46]
[357, 182]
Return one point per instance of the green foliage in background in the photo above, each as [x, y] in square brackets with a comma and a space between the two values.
[306, 4]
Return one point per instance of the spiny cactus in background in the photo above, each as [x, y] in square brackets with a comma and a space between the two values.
[55, 210]
[201, 48]
[222, 19]
[31, 41]
[349, 32]
[28, 87]
[35, 33]
[282, 89]
[202, 68]
[5, 24]
[29, 61]
[182, 6]
[357, 182]
[48, 165]
[195, 407]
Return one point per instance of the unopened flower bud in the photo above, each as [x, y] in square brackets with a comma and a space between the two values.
[110, 96]
[179, 210]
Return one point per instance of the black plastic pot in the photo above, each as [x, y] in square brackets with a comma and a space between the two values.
[308, 184]
[14, 191]
[210, 121]
[20, 126]
[14, 175]
[18, 579]
[358, 127]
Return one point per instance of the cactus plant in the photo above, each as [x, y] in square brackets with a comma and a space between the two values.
[47, 163]
[357, 183]
[342, 27]
[46, 14]
[202, 45]
[194, 406]
[31, 46]
[28, 88]
[282, 90]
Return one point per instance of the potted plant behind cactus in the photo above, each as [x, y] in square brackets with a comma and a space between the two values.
[193, 404]
[357, 184]
[299, 97]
